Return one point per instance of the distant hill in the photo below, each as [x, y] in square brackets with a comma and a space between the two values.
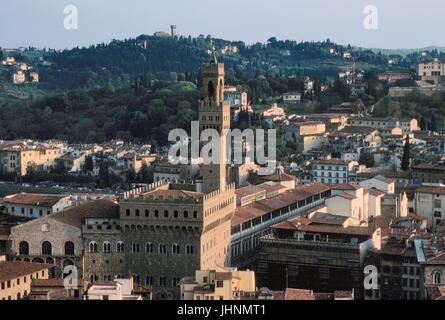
[405, 52]
[152, 58]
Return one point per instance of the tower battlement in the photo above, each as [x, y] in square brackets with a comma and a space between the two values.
[218, 193]
[213, 69]
[147, 188]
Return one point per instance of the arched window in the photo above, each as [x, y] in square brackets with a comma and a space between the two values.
[127, 212]
[137, 213]
[162, 249]
[147, 213]
[107, 247]
[189, 249]
[156, 213]
[149, 247]
[176, 214]
[69, 248]
[186, 214]
[93, 246]
[120, 246]
[175, 248]
[166, 214]
[23, 248]
[211, 89]
[47, 249]
[135, 248]
[437, 278]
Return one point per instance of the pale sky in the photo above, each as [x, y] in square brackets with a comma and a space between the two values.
[401, 23]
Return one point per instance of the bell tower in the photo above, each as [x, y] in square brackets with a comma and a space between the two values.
[214, 113]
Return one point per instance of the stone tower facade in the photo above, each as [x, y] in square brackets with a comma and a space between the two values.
[214, 113]
[160, 233]
[171, 230]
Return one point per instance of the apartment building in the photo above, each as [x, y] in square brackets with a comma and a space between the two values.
[16, 278]
[117, 289]
[428, 173]
[406, 125]
[321, 252]
[15, 158]
[349, 200]
[222, 284]
[429, 202]
[35, 205]
[251, 222]
[332, 170]
[430, 68]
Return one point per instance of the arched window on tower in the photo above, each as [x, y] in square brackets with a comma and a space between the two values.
[120, 246]
[107, 247]
[211, 90]
[93, 246]
[221, 90]
[437, 278]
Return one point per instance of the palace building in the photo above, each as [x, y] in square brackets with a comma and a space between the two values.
[159, 233]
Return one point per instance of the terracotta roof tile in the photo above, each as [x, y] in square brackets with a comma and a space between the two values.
[43, 200]
[94, 209]
[14, 269]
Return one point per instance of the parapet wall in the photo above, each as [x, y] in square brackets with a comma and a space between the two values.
[137, 191]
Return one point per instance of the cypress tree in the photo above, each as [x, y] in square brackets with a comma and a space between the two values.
[406, 155]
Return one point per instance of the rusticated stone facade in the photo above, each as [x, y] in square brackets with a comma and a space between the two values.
[57, 238]
[169, 234]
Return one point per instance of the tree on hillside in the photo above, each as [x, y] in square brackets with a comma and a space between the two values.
[104, 175]
[145, 174]
[88, 165]
[130, 176]
[433, 125]
[423, 124]
[406, 155]
[366, 159]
